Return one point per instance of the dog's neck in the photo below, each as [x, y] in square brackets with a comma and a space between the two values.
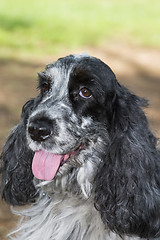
[63, 217]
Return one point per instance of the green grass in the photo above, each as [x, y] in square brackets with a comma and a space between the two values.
[45, 27]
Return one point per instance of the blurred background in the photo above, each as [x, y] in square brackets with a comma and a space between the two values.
[124, 34]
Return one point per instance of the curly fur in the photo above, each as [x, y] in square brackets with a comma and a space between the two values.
[111, 188]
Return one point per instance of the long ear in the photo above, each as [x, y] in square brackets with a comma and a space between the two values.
[17, 184]
[127, 188]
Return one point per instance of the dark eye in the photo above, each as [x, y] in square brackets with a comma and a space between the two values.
[85, 93]
[44, 83]
[45, 87]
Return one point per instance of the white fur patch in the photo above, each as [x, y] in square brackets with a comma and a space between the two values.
[63, 219]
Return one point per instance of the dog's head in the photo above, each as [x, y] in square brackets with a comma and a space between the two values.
[87, 135]
[70, 126]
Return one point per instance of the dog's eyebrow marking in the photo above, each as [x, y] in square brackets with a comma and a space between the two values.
[42, 75]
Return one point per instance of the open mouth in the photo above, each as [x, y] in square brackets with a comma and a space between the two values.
[45, 164]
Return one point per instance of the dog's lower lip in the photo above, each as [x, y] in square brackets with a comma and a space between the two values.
[71, 153]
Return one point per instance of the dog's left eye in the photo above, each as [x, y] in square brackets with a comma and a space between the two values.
[44, 83]
[85, 93]
[45, 87]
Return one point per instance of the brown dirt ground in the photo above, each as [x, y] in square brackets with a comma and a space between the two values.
[136, 68]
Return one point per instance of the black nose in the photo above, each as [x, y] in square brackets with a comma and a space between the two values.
[40, 129]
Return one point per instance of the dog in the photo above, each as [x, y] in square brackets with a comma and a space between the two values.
[84, 157]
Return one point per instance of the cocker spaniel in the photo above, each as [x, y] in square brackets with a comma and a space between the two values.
[84, 156]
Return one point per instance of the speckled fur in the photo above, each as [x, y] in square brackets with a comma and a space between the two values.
[109, 190]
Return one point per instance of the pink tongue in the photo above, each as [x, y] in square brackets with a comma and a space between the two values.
[45, 164]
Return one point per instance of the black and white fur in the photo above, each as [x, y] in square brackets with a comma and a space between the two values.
[111, 189]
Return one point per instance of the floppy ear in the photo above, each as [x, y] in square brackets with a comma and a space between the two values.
[127, 187]
[17, 184]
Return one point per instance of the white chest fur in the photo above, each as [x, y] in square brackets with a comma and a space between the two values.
[63, 219]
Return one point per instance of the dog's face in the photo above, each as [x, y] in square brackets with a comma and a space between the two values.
[70, 121]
